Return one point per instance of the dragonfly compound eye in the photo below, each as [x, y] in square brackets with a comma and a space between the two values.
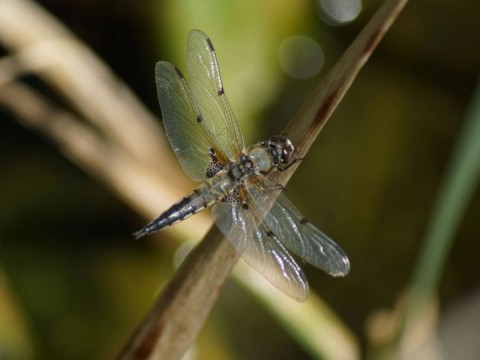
[281, 149]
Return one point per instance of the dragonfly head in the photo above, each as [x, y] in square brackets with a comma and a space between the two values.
[280, 150]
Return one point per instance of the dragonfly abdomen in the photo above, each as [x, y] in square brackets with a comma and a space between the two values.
[189, 205]
[205, 195]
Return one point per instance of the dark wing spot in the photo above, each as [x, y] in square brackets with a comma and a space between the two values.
[177, 70]
[221, 91]
[199, 118]
[270, 233]
[232, 198]
[245, 205]
[210, 45]
[303, 221]
[213, 168]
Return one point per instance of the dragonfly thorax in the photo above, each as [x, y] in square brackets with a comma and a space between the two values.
[266, 156]
[244, 167]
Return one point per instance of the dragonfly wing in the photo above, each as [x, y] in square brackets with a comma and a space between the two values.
[205, 82]
[260, 249]
[189, 140]
[294, 231]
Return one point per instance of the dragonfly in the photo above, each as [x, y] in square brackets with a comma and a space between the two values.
[250, 210]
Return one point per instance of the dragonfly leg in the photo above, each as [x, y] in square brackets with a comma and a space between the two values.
[286, 167]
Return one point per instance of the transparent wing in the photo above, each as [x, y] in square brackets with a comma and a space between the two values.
[205, 82]
[260, 248]
[188, 139]
[294, 231]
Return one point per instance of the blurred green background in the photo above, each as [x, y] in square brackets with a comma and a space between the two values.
[74, 284]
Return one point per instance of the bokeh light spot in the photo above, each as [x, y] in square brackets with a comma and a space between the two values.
[339, 12]
[301, 57]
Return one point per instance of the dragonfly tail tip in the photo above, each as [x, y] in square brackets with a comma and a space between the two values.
[139, 234]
